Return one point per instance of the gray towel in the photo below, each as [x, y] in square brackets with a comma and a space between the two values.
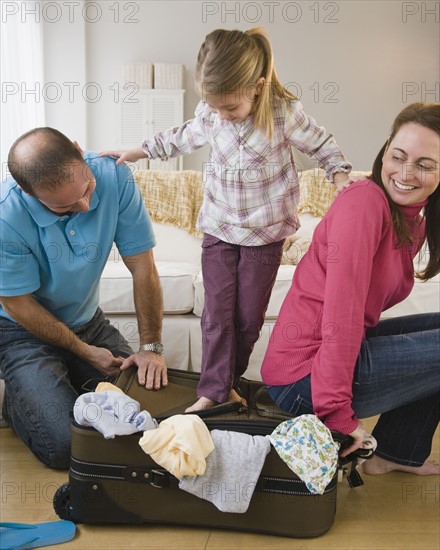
[232, 470]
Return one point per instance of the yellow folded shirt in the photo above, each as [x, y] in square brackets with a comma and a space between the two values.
[104, 386]
[180, 445]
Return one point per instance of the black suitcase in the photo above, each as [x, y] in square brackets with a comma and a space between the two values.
[114, 481]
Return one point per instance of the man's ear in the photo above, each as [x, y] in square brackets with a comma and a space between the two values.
[78, 147]
[24, 191]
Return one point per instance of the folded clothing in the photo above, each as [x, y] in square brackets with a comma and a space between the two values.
[112, 413]
[104, 386]
[232, 470]
[180, 444]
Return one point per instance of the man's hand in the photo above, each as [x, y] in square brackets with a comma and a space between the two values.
[152, 370]
[103, 360]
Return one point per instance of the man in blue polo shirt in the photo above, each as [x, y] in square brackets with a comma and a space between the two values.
[59, 218]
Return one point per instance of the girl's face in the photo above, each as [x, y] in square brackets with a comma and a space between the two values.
[411, 164]
[234, 107]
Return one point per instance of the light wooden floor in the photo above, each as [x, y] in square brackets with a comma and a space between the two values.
[394, 511]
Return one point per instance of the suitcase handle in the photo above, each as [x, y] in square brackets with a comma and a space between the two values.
[223, 408]
[265, 407]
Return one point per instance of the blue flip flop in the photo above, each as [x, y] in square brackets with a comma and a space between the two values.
[21, 536]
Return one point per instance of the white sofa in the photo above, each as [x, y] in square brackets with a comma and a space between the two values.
[177, 256]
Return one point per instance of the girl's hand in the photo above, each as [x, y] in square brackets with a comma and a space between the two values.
[132, 155]
[358, 435]
[341, 181]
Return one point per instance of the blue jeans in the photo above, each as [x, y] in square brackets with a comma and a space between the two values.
[42, 383]
[397, 375]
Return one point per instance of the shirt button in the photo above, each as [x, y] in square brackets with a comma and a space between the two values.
[241, 147]
[72, 232]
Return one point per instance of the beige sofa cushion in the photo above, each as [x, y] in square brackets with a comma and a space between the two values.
[317, 194]
[173, 197]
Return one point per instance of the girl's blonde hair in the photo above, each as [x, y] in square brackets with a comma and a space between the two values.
[233, 62]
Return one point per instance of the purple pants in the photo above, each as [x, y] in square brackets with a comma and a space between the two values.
[238, 281]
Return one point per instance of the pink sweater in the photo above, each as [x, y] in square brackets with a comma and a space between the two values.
[351, 274]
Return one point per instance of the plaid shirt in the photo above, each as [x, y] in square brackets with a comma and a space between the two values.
[251, 188]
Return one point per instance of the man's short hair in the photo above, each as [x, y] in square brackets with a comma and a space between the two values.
[42, 158]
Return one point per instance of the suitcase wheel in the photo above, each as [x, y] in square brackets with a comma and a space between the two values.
[61, 502]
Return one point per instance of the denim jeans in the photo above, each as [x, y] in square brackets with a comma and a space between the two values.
[42, 383]
[397, 375]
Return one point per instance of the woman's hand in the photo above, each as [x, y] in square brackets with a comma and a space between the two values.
[132, 155]
[358, 435]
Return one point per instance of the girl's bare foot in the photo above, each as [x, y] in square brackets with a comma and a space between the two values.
[234, 397]
[202, 404]
[378, 465]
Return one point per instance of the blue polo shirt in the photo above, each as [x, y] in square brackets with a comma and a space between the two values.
[60, 259]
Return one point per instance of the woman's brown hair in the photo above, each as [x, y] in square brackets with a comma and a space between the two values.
[427, 115]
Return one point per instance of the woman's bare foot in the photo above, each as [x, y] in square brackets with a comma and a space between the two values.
[378, 465]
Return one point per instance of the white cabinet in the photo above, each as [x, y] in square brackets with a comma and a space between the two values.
[149, 112]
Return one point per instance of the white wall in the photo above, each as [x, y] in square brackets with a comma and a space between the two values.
[65, 68]
[355, 63]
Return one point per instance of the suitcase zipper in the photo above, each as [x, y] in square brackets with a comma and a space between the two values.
[160, 478]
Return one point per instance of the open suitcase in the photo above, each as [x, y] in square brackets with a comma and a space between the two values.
[114, 481]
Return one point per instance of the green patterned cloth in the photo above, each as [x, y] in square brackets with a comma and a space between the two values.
[307, 447]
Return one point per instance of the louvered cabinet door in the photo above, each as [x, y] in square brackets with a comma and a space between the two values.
[152, 111]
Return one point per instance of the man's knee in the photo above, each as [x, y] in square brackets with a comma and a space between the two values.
[59, 458]
[48, 436]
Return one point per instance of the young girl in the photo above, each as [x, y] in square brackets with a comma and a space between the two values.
[251, 192]
[344, 363]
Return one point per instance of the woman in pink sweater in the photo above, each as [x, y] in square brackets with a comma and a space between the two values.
[329, 353]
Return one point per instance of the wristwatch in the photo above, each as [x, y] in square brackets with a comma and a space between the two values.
[155, 347]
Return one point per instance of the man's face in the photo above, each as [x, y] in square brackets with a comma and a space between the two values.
[72, 196]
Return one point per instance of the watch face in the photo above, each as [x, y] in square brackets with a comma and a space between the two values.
[158, 348]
